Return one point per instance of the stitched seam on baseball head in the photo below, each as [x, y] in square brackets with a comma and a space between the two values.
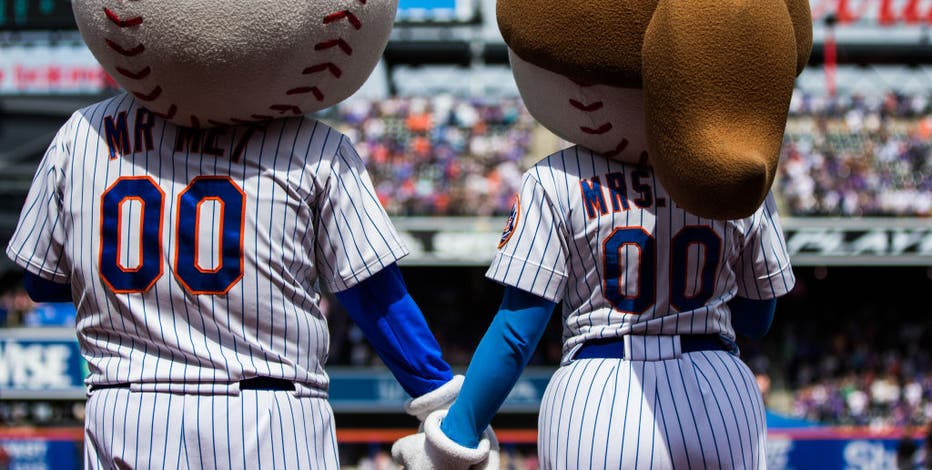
[590, 107]
[142, 73]
[324, 67]
[602, 128]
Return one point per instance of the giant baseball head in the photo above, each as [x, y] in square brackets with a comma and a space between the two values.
[202, 63]
[700, 89]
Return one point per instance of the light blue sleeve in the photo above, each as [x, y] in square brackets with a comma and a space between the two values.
[497, 363]
[396, 329]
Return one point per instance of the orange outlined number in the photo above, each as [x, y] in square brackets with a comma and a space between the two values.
[132, 215]
[636, 248]
[116, 235]
[225, 227]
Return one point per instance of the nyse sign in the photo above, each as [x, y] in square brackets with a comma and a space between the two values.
[34, 366]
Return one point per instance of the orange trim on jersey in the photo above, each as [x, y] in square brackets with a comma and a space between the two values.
[242, 224]
[197, 232]
[100, 253]
[119, 247]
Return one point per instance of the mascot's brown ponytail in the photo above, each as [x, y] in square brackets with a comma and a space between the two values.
[717, 77]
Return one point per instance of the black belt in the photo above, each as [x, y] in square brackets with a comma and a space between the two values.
[614, 348]
[254, 383]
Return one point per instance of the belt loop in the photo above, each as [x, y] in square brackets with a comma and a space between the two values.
[652, 347]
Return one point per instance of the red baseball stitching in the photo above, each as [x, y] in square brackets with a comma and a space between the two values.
[328, 66]
[142, 73]
[618, 149]
[586, 107]
[286, 108]
[345, 14]
[135, 21]
[334, 42]
[156, 92]
[597, 131]
[126, 52]
[167, 115]
[307, 89]
[331, 67]
[152, 95]
[134, 75]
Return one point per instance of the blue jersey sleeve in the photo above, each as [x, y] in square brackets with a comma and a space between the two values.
[497, 363]
[397, 330]
[752, 317]
[43, 290]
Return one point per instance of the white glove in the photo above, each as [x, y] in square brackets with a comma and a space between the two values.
[433, 450]
[440, 399]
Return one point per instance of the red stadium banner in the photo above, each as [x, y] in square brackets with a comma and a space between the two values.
[879, 12]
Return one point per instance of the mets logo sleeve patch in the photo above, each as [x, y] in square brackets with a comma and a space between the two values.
[511, 223]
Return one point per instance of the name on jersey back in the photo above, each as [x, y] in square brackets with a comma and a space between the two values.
[130, 134]
[617, 191]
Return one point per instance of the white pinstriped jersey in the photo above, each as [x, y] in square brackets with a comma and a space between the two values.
[193, 255]
[604, 238]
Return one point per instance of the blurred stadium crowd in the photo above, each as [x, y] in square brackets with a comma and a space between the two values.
[847, 155]
[852, 155]
[441, 155]
[861, 374]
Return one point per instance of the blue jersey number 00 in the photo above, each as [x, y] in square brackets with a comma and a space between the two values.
[226, 232]
[641, 294]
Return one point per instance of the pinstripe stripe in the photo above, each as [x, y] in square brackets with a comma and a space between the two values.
[675, 414]
[364, 188]
[721, 414]
[742, 418]
[637, 435]
[662, 426]
[307, 437]
[598, 411]
[582, 422]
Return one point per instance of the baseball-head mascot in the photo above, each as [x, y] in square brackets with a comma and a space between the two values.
[700, 89]
[236, 232]
[204, 63]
